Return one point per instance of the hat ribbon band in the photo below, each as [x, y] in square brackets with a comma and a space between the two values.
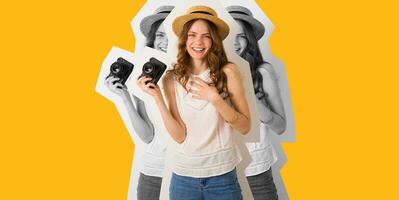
[239, 12]
[202, 12]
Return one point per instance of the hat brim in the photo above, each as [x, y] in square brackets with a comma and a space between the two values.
[258, 28]
[178, 23]
[147, 22]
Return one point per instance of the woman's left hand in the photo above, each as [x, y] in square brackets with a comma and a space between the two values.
[202, 90]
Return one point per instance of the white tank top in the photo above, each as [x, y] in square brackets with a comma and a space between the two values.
[153, 158]
[263, 155]
[152, 161]
[209, 149]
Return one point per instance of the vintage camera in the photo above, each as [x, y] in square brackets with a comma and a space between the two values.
[153, 69]
[121, 69]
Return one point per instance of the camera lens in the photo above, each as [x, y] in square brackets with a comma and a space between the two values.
[116, 68]
[148, 68]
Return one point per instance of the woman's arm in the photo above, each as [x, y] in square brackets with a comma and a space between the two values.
[139, 119]
[141, 110]
[239, 116]
[171, 117]
[272, 114]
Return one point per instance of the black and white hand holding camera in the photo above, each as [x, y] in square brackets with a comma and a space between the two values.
[121, 69]
[153, 69]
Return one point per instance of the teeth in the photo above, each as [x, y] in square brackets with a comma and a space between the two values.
[198, 49]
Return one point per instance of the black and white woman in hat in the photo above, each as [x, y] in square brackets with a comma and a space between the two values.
[152, 166]
[269, 101]
[153, 29]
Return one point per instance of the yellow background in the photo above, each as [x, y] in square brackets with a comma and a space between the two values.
[62, 140]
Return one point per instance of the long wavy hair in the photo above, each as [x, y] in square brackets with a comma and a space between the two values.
[216, 58]
[151, 38]
[254, 57]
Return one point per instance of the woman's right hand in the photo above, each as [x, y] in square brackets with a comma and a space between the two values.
[115, 86]
[149, 88]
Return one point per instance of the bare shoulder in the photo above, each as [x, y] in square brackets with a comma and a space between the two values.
[267, 70]
[168, 85]
[231, 70]
[168, 78]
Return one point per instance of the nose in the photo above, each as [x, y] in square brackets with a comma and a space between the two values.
[236, 41]
[236, 44]
[199, 40]
[163, 40]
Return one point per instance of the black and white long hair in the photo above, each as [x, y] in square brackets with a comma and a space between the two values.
[253, 56]
[152, 34]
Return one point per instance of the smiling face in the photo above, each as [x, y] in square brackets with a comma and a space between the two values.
[161, 40]
[199, 40]
[241, 41]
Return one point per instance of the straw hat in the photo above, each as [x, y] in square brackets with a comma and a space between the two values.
[160, 14]
[244, 14]
[201, 12]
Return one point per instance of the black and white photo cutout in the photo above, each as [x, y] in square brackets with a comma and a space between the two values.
[142, 123]
[273, 99]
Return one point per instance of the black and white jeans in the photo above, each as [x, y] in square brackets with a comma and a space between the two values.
[149, 187]
[262, 186]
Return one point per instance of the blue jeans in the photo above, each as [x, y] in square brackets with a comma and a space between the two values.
[222, 187]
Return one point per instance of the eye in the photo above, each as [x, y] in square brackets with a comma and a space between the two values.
[159, 35]
[243, 36]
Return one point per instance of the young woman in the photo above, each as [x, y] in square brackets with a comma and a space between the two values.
[269, 103]
[153, 29]
[205, 97]
[151, 168]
